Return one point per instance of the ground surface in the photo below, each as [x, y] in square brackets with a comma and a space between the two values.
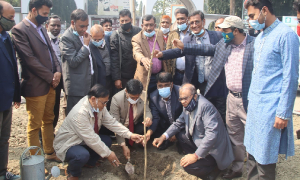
[161, 164]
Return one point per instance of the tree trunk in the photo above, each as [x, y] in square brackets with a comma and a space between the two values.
[232, 7]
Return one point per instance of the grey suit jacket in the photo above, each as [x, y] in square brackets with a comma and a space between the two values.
[209, 133]
[119, 110]
[75, 64]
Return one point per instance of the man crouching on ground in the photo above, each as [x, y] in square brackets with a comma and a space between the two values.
[77, 140]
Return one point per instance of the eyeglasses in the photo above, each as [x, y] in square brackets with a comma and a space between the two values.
[104, 103]
[184, 98]
[194, 22]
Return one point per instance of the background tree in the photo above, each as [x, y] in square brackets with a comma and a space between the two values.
[160, 9]
[15, 3]
[63, 8]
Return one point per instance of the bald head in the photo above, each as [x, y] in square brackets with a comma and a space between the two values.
[7, 11]
[186, 93]
[188, 87]
[218, 22]
[97, 32]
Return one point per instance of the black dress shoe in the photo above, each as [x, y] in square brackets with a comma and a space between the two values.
[165, 145]
[213, 175]
[231, 174]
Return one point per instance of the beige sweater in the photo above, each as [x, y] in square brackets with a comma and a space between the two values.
[78, 128]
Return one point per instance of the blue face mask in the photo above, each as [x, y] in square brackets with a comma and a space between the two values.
[149, 34]
[165, 92]
[98, 44]
[182, 27]
[74, 31]
[228, 37]
[256, 25]
[107, 33]
[201, 32]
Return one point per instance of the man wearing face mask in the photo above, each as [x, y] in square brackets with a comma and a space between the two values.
[127, 107]
[183, 33]
[122, 62]
[53, 26]
[77, 140]
[273, 89]
[77, 62]
[41, 73]
[165, 26]
[107, 26]
[165, 108]
[234, 54]
[201, 134]
[9, 85]
[143, 44]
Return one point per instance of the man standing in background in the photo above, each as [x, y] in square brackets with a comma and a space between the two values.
[165, 26]
[53, 26]
[107, 26]
[217, 23]
[122, 62]
[9, 85]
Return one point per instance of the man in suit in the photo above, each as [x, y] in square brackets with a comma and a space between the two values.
[198, 68]
[53, 26]
[142, 44]
[77, 140]
[235, 53]
[165, 108]
[9, 85]
[41, 74]
[77, 62]
[202, 135]
[127, 107]
[177, 66]
[122, 62]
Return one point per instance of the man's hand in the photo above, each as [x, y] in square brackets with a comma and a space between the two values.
[177, 43]
[188, 160]
[280, 123]
[17, 104]
[126, 151]
[157, 54]
[118, 84]
[113, 159]
[148, 135]
[86, 39]
[146, 62]
[137, 138]
[147, 122]
[158, 141]
[173, 139]
[56, 79]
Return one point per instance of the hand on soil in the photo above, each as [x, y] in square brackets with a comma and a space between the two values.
[158, 141]
[126, 152]
[112, 158]
[188, 160]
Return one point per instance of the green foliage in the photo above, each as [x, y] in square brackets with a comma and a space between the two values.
[14, 3]
[92, 7]
[63, 8]
[160, 9]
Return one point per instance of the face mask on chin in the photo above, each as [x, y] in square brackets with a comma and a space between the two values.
[74, 30]
[96, 110]
[51, 36]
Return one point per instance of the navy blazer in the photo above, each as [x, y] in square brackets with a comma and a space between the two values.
[219, 88]
[100, 72]
[9, 77]
[159, 111]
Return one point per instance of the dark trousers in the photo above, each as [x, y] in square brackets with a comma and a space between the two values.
[109, 86]
[200, 168]
[162, 127]
[152, 84]
[5, 126]
[71, 102]
[57, 103]
[138, 129]
[178, 78]
[220, 104]
[79, 155]
[259, 171]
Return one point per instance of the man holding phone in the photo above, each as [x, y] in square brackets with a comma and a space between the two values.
[77, 63]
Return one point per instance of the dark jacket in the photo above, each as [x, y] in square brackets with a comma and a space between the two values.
[100, 69]
[218, 89]
[9, 78]
[37, 68]
[128, 65]
[159, 111]
[221, 51]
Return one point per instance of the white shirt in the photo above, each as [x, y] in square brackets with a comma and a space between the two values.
[180, 62]
[90, 57]
[55, 46]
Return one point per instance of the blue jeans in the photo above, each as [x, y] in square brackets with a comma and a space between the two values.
[79, 155]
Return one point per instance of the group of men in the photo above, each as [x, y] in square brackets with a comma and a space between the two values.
[247, 88]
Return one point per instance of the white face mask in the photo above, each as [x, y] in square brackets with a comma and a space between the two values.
[165, 30]
[51, 36]
[131, 101]
[96, 110]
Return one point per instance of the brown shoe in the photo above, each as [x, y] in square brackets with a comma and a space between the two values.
[70, 177]
[231, 174]
[52, 157]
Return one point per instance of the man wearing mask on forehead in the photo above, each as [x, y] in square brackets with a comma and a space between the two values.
[41, 73]
[127, 107]
[77, 62]
[143, 44]
[122, 61]
[234, 54]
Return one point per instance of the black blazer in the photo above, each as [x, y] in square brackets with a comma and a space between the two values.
[100, 71]
[159, 111]
[9, 78]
